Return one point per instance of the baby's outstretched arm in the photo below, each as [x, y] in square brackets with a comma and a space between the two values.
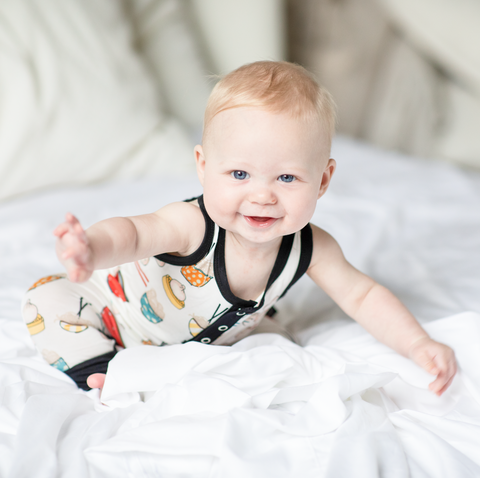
[379, 311]
[178, 227]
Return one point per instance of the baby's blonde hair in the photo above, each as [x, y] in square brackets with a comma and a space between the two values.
[277, 86]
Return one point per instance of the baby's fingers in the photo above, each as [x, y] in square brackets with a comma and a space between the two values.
[430, 366]
[73, 253]
[78, 252]
[75, 226]
[437, 388]
[426, 361]
[447, 367]
[71, 225]
[71, 219]
[60, 230]
[441, 383]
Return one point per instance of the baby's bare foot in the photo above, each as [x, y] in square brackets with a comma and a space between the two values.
[96, 380]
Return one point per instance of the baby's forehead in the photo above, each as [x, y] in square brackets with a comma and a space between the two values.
[250, 134]
[252, 119]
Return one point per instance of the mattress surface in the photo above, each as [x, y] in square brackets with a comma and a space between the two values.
[336, 404]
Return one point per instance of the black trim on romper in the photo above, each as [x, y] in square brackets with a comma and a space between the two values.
[204, 248]
[240, 306]
[306, 250]
[221, 271]
[82, 371]
[233, 315]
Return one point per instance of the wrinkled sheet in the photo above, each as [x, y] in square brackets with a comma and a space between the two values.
[338, 404]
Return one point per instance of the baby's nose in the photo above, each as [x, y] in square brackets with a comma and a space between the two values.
[262, 195]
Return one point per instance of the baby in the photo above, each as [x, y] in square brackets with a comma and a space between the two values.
[209, 269]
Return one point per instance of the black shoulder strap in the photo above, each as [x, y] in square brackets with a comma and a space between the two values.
[232, 316]
[306, 249]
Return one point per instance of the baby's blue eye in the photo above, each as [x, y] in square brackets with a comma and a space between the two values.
[240, 175]
[286, 178]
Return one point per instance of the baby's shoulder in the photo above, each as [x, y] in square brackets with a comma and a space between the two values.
[320, 236]
[187, 222]
[325, 247]
[182, 212]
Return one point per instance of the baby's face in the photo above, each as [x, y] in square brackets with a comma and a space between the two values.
[262, 173]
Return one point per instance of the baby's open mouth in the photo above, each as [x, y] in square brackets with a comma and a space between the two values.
[260, 221]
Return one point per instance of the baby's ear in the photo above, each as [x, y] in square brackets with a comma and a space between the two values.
[200, 161]
[327, 176]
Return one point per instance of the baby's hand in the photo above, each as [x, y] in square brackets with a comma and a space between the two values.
[437, 359]
[73, 249]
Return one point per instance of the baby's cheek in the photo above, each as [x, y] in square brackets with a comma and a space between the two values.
[217, 211]
[304, 207]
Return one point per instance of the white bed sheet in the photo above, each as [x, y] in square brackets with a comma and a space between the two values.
[339, 405]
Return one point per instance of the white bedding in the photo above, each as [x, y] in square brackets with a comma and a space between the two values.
[339, 405]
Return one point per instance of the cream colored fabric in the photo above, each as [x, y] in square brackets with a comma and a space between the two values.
[166, 37]
[447, 33]
[238, 32]
[77, 104]
[405, 75]
[446, 30]
[88, 88]
[461, 139]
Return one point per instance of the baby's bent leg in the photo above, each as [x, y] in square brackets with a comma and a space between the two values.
[65, 322]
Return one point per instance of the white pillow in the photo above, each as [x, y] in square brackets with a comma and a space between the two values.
[166, 37]
[183, 40]
[238, 32]
[76, 103]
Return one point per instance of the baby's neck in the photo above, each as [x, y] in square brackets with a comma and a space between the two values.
[240, 245]
[248, 265]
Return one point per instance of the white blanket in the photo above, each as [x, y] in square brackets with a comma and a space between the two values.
[338, 405]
